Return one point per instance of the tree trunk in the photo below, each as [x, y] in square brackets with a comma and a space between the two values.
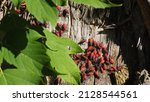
[122, 30]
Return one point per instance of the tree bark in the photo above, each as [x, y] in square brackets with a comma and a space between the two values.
[122, 30]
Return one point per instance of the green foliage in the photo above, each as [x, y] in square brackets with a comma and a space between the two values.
[60, 60]
[19, 47]
[16, 2]
[25, 71]
[97, 3]
[60, 2]
[43, 10]
[26, 51]
[56, 43]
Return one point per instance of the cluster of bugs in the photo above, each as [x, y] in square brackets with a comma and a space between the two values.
[94, 60]
[23, 12]
[62, 12]
[61, 27]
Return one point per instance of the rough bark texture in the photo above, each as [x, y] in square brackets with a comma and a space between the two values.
[122, 29]
[85, 22]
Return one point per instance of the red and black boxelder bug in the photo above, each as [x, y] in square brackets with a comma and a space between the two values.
[102, 60]
[83, 64]
[84, 57]
[96, 55]
[105, 50]
[102, 45]
[61, 32]
[113, 68]
[95, 52]
[92, 69]
[99, 53]
[65, 12]
[111, 60]
[105, 66]
[17, 10]
[106, 57]
[89, 63]
[96, 74]
[88, 53]
[82, 41]
[91, 56]
[58, 8]
[84, 77]
[82, 69]
[64, 26]
[90, 48]
[90, 42]
[102, 70]
[59, 25]
[90, 73]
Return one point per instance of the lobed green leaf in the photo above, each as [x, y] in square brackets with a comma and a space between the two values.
[43, 10]
[60, 59]
[21, 50]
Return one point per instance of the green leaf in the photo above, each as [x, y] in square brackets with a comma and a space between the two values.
[23, 44]
[62, 63]
[43, 10]
[26, 71]
[1, 58]
[60, 2]
[97, 3]
[16, 2]
[60, 59]
[28, 57]
[57, 43]
[19, 76]
[20, 48]
[2, 79]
